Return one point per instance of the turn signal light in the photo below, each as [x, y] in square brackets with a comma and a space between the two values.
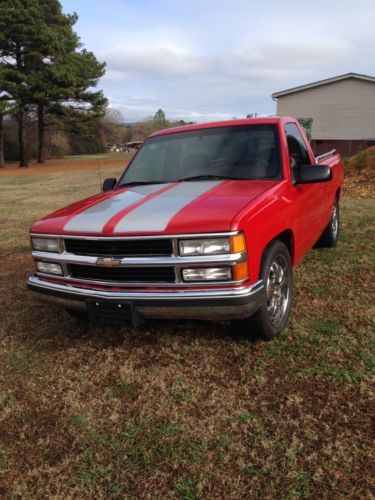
[240, 271]
[237, 243]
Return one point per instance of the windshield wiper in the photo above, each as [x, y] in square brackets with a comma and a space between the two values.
[209, 177]
[142, 183]
[184, 179]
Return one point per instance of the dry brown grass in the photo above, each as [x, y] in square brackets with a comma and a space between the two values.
[69, 164]
[186, 409]
[360, 169]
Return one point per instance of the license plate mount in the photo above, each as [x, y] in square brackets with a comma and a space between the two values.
[113, 312]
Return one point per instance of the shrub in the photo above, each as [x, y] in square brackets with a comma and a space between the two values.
[361, 158]
[346, 164]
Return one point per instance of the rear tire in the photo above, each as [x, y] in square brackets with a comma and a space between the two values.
[277, 275]
[330, 235]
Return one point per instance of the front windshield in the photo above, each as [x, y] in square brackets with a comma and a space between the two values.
[236, 152]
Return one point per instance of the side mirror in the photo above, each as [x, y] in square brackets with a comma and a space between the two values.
[309, 174]
[109, 184]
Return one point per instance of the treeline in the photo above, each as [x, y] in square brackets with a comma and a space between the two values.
[47, 82]
[112, 129]
[109, 130]
[49, 104]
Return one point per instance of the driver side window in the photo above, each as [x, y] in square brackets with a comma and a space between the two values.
[298, 154]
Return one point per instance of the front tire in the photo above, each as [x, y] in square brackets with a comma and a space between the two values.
[277, 275]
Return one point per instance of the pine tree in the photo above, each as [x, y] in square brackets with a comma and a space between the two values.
[21, 31]
[63, 96]
[43, 68]
[2, 161]
[7, 107]
[160, 119]
[61, 86]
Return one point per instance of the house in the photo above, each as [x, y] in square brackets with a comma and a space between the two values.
[342, 110]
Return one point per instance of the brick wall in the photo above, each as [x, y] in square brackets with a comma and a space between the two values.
[345, 148]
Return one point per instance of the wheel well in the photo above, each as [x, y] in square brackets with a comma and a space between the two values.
[285, 237]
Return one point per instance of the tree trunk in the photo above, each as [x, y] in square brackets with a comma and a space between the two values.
[21, 115]
[40, 134]
[22, 138]
[2, 162]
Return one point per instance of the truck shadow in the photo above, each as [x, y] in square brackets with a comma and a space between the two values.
[61, 331]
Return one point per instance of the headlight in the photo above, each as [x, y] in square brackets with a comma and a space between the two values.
[45, 244]
[212, 246]
[48, 268]
[207, 274]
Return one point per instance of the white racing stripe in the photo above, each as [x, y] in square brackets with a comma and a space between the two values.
[155, 214]
[95, 218]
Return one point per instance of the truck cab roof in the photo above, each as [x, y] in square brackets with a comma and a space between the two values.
[269, 120]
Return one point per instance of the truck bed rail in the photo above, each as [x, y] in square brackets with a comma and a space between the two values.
[324, 155]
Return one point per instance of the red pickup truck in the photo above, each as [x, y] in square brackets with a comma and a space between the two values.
[206, 222]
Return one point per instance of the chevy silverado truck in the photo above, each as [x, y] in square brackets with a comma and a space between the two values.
[207, 222]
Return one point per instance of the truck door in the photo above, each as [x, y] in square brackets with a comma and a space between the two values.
[307, 198]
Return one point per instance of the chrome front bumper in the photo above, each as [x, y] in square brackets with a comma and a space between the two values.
[209, 304]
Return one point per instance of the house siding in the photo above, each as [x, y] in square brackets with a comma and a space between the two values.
[342, 110]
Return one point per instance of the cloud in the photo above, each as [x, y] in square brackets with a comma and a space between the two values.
[265, 62]
[141, 60]
[233, 83]
[204, 60]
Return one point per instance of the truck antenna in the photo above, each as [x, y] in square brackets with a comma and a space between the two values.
[98, 169]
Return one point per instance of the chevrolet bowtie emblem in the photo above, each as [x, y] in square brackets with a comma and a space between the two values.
[107, 262]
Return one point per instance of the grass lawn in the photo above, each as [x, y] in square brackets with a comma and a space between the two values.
[101, 156]
[183, 409]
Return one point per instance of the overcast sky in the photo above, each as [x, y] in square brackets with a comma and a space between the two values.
[205, 60]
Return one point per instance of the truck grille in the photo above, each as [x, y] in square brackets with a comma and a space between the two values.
[124, 274]
[120, 248]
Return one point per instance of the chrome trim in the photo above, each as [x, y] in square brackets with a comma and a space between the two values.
[175, 295]
[145, 284]
[140, 237]
[219, 310]
[61, 245]
[175, 247]
[175, 260]
[70, 258]
[179, 279]
[65, 269]
[324, 155]
[211, 313]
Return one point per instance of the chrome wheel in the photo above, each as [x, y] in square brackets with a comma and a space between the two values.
[330, 235]
[277, 275]
[335, 221]
[278, 290]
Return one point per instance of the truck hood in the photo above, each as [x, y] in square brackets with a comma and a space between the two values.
[185, 207]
